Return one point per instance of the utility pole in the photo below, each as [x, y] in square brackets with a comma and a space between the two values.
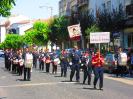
[51, 16]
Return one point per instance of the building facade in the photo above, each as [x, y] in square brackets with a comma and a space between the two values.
[66, 7]
[86, 7]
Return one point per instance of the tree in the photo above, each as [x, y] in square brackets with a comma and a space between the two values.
[38, 35]
[93, 28]
[111, 21]
[59, 30]
[29, 37]
[5, 7]
[13, 41]
[1, 45]
[87, 21]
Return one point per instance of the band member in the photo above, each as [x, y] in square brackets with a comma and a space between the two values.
[75, 67]
[47, 61]
[98, 62]
[35, 57]
[28, 65]
[21, 63]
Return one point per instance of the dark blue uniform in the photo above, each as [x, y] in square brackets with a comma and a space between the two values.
[64, 65]
[75, 66]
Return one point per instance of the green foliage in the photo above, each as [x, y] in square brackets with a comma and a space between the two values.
[38, 35]
[5, 7]
[1, 45]
[13, 41]
[41, 29]
[93, 28]
[29, 37]
[85, 22]
[59, 29]
[111, 21]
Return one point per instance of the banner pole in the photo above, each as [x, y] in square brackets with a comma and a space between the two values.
[82, 41]
[82, 38]
[99, 48]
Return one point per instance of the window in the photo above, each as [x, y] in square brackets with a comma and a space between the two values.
[12, 31]
[129, 10]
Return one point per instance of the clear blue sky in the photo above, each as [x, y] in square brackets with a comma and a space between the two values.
[30, 8]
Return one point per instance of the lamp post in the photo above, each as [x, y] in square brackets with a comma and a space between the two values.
[51, 15]
[49, 7]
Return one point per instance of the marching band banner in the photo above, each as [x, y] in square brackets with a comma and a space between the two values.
[74, 32]
[100, 37]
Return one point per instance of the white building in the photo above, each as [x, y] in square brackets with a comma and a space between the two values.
[17, 24]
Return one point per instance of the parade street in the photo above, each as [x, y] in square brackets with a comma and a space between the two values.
[48, 86]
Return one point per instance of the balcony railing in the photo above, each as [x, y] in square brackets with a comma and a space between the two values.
[82, 2]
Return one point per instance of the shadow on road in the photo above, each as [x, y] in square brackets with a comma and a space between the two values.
[14, 74]
[3, 68]
[57, 76]
[67, 81]
[43, 72]
[21, 80]
[78, 83]
[90, 88]
[3, 97]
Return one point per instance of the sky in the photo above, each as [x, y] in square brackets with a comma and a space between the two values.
[31, 8]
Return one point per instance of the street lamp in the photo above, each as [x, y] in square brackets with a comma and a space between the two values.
[51, 8]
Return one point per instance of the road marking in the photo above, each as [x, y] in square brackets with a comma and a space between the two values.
[35, 84]
[125, 81]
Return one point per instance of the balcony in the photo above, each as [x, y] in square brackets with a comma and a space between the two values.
[129, 10]
[82, 3]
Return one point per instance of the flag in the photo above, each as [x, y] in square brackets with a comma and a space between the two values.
[74, 32]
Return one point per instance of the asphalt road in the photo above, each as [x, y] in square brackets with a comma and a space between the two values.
[49, 86]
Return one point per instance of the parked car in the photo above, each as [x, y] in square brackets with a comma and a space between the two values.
[1, 53]
[110, 63]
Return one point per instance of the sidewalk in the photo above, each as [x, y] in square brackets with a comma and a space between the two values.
[126, 80]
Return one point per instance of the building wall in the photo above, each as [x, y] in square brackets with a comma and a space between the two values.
[95, 5]
[23, 28]
[2, 33]
[66, 6]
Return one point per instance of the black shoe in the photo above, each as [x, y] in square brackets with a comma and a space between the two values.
[89, 83]
[100, 88]
[95, 87]
[24, 79]
[28, 80]
[77, 80]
